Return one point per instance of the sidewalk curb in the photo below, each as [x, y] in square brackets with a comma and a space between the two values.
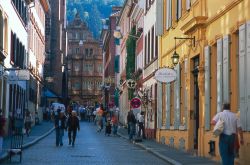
[27, 145]
[163, 157]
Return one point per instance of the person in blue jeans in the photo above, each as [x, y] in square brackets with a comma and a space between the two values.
[228, 136]
[59, 127]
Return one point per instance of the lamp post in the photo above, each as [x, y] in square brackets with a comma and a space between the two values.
[175, 57]
[65, 83]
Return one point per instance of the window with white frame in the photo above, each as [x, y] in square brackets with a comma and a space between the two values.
[76, 67]
[85, 85]
[77, 86]
[90, 85]
[99, 68]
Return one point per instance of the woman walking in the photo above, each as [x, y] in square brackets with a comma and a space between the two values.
[73, 126]
[27, 122]
[60, 120]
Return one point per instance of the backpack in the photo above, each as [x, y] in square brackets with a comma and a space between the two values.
[218, 128]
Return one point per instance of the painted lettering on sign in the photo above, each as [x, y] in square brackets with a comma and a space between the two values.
[165, 75]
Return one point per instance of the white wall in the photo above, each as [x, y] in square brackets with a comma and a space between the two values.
[18, 27]
[15, 25]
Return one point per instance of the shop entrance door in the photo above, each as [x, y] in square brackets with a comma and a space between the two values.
[196, 100]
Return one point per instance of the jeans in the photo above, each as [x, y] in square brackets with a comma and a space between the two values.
[59, 136]
[115, 127]
[72, 139]
[226, 147]
[141, 129]
[131, 130]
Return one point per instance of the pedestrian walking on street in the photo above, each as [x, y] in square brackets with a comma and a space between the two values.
[131, 122]
[99, 118]
[60, 121]
[73, 125]
[141, 131]
[228, 136]
[27, 122]
[108, 127]
[114, 121]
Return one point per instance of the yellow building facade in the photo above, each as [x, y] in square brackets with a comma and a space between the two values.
[214, 67]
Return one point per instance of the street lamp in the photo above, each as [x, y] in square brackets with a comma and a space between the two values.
[175, 57]
[65, 82]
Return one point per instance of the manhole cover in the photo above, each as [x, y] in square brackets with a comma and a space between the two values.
[82, 156]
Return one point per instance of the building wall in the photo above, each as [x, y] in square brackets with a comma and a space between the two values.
[84, 64]
[211, 25]
[124, 24]
[36, 50]
[150, 61]
[14, 24]
[58, 44]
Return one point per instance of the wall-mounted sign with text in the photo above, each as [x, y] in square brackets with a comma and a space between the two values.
[19, 75]
[165, 75]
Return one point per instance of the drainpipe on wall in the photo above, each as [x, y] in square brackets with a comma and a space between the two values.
[27, 57]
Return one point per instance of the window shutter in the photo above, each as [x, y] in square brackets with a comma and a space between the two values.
[168, 106]
[1, 31]
[219, 75]
[178, 6]
[159, 18]
[242, 80]
[185, 92]
[207, 87]
[117, 41]
[117, 62]
[226, 68]
[248, 76]
[159, 105]
[12, 42]
[188, 4]
[169, 14]
[177, 98]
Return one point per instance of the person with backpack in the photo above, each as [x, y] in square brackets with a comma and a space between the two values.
[231, 126]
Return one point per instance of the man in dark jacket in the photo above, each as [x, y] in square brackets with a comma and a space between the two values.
[73, 126]
[131, 122]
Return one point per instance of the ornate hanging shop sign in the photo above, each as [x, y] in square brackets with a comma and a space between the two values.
[131, 84]
[165, 75]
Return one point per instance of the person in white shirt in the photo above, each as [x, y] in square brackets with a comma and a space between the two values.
[140, 118]
[228, 136]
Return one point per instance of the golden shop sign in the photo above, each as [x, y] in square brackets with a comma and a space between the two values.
[165, 75]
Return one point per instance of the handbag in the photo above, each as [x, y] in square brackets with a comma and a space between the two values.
[218, 128]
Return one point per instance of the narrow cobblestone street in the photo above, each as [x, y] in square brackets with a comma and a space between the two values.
[91, 148]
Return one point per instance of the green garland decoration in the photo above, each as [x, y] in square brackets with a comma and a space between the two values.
[130, 63]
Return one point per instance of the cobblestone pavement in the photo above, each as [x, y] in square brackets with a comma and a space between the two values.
[91, 147]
